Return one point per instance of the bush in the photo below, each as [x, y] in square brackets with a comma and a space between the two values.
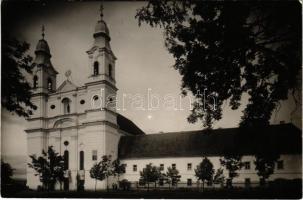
[124, 184]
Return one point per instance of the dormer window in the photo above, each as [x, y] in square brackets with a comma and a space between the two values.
[49, 84]
[35, 82]
[66, 105]
[110, 71]
[96, 68]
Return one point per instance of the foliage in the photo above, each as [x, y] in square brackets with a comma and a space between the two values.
[16, 91]
[6, 173]
[124, 184]
[118, 168]
[205, 171]
[150, 174]
[219, 177]
[172, 176]
[49, 167]
[101, 170]
[231, 49]
[265, 165]
[232, 163]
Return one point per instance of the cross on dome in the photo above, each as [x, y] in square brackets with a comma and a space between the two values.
[43, 29]
[101, 11]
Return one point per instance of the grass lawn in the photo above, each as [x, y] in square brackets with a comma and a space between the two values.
[169, 194]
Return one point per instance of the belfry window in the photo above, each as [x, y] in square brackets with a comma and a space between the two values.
[96, 68]
[66, 105]
[35, 81]
[110, 71]
[49, 84]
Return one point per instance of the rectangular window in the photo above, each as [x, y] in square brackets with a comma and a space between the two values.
[94, 155]
[189, 166]
[161, 167]
[134, 168]
[247, 165]
[173, 166]
[189, 182]
[280, 164]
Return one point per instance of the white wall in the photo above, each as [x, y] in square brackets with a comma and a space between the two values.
[292, 167]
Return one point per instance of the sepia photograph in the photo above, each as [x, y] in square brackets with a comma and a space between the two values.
[151, 99]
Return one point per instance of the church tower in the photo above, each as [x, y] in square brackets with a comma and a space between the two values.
[101, 58]
[44, 79]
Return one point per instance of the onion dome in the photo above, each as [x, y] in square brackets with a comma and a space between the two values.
[42, 46]
[101, 28]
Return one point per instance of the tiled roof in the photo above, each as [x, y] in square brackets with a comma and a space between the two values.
[128, 126]
[282, 138]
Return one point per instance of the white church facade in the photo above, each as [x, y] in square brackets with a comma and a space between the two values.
[82, 124]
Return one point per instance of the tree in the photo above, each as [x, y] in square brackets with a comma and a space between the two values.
[6, 173]
[219, 177]
[232, 163]
[150, 174]
[172, 176]
[231, 49]
[265, 166]
[16, 91]
[97, 173]
[205, 171]
[49, 167]
[118, 168]
[101, 170]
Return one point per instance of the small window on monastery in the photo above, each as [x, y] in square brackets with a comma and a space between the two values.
[49, 84]
[110, 71]
[247, 165]
[35, 81]
[35, 107]
[189, 182]
[134, 168]
[161, 167]
[173, 166]
[94, 155]
[52, 106]
[96, 68]
[280, 164]
[82, 101]
[189, 166]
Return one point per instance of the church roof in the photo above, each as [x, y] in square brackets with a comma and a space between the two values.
[128, 126]
[282, 138]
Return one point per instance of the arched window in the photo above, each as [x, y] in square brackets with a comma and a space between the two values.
[66, 159]
[49, 84]
[66, 105]
[81, 160]
[110, 71]
[35, 81]
[96, 68]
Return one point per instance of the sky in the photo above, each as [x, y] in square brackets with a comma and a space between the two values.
[143, 64]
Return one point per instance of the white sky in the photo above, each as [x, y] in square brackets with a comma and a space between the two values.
[143, 62]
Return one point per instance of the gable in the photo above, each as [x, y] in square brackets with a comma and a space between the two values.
[66, 86]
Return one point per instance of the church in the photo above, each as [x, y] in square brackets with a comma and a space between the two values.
[82, 124]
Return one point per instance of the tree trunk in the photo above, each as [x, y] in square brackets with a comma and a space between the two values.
[107, 183]
[147, 186]
[203, 185]
[155, 184]
[96, 185]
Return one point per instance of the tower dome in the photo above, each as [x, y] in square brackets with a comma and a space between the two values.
[42, 46]
[101, 27]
